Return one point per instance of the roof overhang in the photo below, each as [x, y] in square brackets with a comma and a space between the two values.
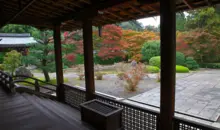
[70, 13]
[16, 40]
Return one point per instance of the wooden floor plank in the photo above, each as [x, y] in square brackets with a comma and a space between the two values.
[28, 112]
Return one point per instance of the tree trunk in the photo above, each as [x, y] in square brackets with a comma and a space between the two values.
[46, 75]
[44, 61]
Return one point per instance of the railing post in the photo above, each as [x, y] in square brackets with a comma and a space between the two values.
[59, 64]
[37, 88]
[88, 59]
[100, 31]
[168, 62]
[12, 86]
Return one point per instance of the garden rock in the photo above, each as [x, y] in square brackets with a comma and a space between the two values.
[23, 71]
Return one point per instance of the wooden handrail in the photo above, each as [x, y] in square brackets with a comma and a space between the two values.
[35, 84]
[23, 76]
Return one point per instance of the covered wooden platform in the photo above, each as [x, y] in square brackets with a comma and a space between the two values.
[25, 111]
[67, 15]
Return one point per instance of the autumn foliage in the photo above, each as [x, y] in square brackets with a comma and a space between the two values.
[134, 40]
[72, 45]
[200, 44]
[110, 44]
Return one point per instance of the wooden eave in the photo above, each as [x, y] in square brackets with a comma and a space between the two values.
[70, 13]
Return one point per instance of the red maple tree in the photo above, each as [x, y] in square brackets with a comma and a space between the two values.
[110, 44]
[69, 39]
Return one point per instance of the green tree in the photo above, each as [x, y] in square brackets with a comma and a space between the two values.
[41, 55]
[132, 25]
[150, 49]
[152, 28]
[208, 18]
[180, 21]
[14, 28]
[12, 60]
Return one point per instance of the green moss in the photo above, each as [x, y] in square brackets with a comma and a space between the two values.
[152, 69]
[181, 69]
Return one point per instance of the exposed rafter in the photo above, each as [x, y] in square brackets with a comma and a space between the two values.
[137, 9]
[90, 10]
[96, 7]
[209, 2]
[152, 8]
[189, 4]
[117, 16]
[20, 12]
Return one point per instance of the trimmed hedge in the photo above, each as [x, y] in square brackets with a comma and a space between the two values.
[111, 61]
[180, 58]
[210, 65]
[191, 63]
[181, 69]
[152, 69]
[155, 61]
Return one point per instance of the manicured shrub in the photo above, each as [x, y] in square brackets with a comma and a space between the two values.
[210, 65]
[191, 63]
[180, 58]
[155, 61]
[152, 69]
[181, 69]
[150, 49]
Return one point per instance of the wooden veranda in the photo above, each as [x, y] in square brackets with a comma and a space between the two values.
[83, 14]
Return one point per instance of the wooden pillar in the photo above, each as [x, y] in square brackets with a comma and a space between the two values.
[100, 31]
[168, 63]
[59, 64]
[88, 59]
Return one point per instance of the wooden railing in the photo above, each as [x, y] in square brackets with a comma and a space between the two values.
[9, 83]
[133, 117]
[37, 86]
[6, 81]
[183, 124]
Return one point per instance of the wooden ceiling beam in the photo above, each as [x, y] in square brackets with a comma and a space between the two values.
[93, 8]
[136, 9]
[90, 11]
[189, 4]
[117, 16]
[86, 1]
[152, 8]
[209, 2]
[21, 11]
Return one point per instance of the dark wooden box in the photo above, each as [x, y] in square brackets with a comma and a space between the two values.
[100, 115]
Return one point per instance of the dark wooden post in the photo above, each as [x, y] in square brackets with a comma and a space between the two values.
[88, 59]
[100, 31]
[59, 64]
[168, 62]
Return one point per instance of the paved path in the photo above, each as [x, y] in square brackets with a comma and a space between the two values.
[197, 94]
